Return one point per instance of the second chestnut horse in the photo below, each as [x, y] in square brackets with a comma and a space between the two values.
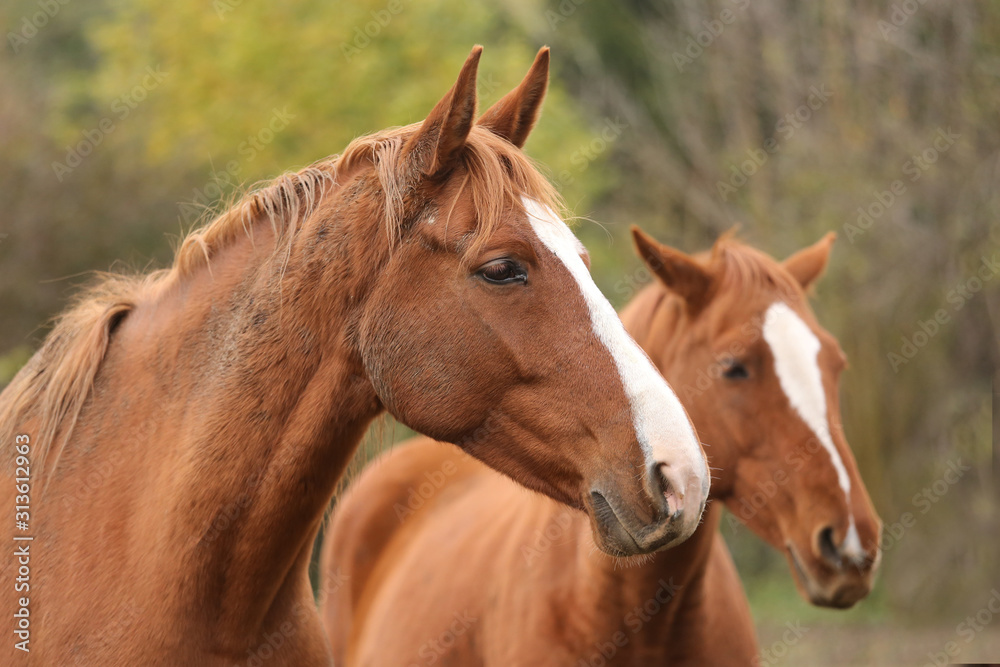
[481, 572]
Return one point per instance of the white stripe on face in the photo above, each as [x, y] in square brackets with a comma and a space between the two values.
[796, 349]
[661, 425]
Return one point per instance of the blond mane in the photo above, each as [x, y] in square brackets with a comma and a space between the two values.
[48, 395]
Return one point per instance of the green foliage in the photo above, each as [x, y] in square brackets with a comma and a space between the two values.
[331, 71]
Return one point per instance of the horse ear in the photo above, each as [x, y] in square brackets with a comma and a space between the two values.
[678, 271]
[513, 116]
[808, 264]
[437, 145]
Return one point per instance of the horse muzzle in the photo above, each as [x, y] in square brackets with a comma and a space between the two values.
[829, 582]
[669, 514]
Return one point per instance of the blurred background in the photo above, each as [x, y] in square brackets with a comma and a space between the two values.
[123, 124]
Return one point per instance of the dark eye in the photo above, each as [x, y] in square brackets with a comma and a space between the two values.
[503, 272]
[734, 370]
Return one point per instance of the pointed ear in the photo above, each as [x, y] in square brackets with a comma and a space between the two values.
[438, 144]
[513, 116]
[808, 264]
[678, 271]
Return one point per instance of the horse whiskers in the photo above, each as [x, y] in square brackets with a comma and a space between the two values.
[601, 225]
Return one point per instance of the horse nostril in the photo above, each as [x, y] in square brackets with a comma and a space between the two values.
[827, 547]
[671, 500]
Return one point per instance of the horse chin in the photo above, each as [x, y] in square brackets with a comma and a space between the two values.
[615, 538]
[839, 591]
[610, 533]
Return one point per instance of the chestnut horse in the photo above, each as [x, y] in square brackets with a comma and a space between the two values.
[487, 574]
[185, 430]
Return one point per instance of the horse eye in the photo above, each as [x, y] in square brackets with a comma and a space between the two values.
[503, 272]
[734, 370]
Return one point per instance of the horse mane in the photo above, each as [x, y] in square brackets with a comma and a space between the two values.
[54, 385]
[498, 173]
[741, 267]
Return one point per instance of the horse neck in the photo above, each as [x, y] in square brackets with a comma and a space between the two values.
[649, 592]
[270, 329]
[267, 401]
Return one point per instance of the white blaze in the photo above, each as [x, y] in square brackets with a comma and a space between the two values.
[661, 425]
[795, 349]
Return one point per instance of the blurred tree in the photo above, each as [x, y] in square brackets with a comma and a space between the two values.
[53, 231]
[796, 119]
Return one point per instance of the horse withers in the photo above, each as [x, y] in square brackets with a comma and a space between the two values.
[732, 330]
[186, 429]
